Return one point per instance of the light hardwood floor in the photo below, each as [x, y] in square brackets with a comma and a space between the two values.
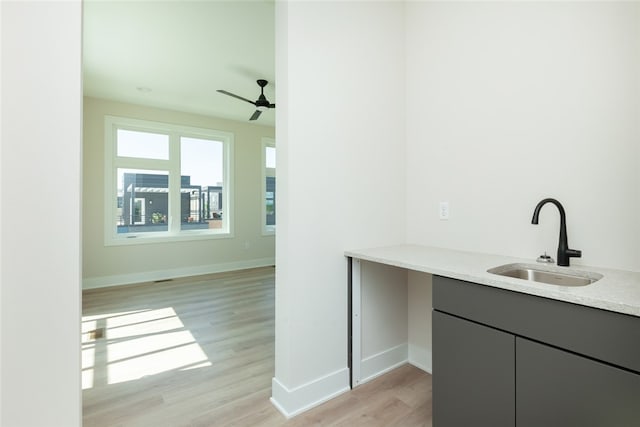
[199, 351]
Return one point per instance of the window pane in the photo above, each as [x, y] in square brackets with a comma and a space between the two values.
[143, 145]
[270, 201]
[270, 157]
[142, 201]
[202, 182]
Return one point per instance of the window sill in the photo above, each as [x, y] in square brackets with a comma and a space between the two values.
[269, 231]
[141, 239]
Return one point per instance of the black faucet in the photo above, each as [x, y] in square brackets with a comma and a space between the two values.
[564, 253]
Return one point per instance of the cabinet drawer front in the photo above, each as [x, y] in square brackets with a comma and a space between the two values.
[573, 390]
[601, 334]
[473, 374]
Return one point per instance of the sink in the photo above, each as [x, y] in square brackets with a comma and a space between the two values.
[546, 274]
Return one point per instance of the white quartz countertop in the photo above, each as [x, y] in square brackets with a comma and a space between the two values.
[617, 291]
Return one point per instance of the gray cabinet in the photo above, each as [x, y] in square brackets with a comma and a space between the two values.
[475, 374]
[506, 358]
[555, 388]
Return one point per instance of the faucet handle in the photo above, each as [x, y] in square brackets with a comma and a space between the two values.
[574, 253]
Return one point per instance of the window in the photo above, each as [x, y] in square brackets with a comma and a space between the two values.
[165, 182]
[268, 186]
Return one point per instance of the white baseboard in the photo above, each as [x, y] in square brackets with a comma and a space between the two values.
[291, 402]
[421, 358]
[383, 362]
[148, 276]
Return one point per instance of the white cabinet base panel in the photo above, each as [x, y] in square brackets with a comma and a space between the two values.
[383, 362]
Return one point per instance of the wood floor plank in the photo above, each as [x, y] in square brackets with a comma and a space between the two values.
[199, 352]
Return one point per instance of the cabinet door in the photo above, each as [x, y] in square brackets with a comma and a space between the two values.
[473, 374]
[559, 389]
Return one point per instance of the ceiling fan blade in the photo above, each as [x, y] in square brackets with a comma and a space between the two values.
[272, 105]
[255, 115]
[236, 96]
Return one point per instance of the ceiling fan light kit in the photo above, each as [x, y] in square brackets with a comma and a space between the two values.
[261, 104]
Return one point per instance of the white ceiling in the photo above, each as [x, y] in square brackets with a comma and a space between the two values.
[183, 51]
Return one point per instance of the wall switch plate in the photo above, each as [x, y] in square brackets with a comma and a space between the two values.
[443, 210]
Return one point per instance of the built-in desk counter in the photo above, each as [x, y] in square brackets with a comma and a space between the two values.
[617, 291]
[390, 295]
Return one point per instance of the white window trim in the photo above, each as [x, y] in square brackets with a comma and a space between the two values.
[174, 234]
[267, 230]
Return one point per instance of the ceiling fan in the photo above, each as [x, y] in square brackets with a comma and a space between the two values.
[262, 103]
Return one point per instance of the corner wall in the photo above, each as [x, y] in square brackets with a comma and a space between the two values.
[341, 181]
[113, 265]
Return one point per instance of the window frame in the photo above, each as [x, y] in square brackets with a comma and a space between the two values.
[267, 230]
[172, 166]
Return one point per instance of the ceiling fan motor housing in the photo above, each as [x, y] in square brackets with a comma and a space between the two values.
[262, 102]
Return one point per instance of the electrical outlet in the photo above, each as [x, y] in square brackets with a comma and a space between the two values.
[444, 210]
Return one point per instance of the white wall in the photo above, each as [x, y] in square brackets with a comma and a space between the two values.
[41, 98]
[512, 102]
[340, 133]
[384, 332]
[109, 265]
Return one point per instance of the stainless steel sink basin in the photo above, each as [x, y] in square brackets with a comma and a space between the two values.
[547, 274]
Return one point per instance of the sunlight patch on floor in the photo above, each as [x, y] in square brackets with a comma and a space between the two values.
[155, 363]
[133, 318]
[110, 315]
[137, 347]
[88, 358]
[199, 365]
[137, 344]
[149, 327]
